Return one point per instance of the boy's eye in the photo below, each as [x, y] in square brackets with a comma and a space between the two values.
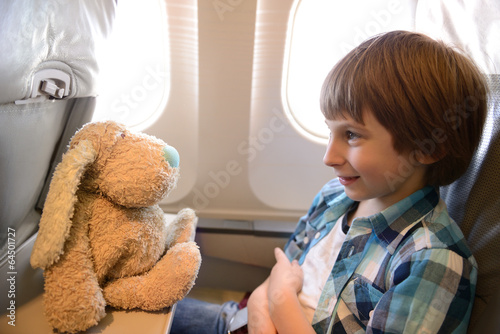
[351, 135]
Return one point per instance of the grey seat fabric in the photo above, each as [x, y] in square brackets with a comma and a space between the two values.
[32, 137]
[474, 202]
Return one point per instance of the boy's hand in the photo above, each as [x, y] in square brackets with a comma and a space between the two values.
[285, 282]
[259, 320]
[286, 278]
[274, 306]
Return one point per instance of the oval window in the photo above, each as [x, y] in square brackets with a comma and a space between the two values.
[134, 71]
[320, 33]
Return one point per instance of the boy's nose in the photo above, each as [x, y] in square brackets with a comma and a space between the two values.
[333, 156]
[171, 156]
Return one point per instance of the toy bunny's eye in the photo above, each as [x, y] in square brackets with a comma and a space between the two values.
[122, 135]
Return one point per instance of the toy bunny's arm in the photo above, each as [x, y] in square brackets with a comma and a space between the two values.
[55, 223]
[171, 278]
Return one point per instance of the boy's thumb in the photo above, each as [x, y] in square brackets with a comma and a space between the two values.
[279, 255]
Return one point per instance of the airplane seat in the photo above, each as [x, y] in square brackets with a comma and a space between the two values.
[474, 202]
[48, 88]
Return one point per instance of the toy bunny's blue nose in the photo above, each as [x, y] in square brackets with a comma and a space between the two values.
[172, 156]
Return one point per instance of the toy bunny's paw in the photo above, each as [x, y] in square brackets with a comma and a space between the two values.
[182, 228]
[189, 221]
[165, 284]
[187, 214]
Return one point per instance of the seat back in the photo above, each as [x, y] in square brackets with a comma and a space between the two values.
[474, 202]
[32, 139]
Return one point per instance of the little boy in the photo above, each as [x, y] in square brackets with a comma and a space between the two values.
[377, 251]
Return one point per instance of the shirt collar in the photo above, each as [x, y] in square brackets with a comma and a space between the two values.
[390, 225]
[338, 202]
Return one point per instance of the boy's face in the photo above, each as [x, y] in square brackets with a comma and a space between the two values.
[367, 165]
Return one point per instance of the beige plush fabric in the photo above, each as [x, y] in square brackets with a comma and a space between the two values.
[103, 239]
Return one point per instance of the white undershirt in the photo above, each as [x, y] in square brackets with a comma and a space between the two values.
[317, 266]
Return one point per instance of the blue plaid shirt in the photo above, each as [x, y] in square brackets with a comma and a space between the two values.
[406, 269]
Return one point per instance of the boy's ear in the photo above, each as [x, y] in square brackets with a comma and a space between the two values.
[427, 159]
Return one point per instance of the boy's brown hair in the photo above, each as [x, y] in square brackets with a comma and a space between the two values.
[430, 97]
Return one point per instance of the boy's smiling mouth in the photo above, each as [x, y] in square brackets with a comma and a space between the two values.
[347, 180]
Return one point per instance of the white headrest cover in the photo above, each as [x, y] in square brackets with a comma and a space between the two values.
[57, 34]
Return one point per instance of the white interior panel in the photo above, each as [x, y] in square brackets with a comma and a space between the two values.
[178, 124]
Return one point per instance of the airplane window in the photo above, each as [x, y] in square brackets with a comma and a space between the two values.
[134, 79]
[320, 33]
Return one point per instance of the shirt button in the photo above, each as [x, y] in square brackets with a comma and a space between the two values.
[306, 240]
[317, 235]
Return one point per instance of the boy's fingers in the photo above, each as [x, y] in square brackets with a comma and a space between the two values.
[297, 268]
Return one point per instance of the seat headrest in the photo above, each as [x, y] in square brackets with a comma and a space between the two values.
[60, 35]
[470, 25]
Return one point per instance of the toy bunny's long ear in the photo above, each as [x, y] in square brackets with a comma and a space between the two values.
[58, 211]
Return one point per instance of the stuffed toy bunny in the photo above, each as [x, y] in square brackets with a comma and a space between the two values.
[103, 239]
